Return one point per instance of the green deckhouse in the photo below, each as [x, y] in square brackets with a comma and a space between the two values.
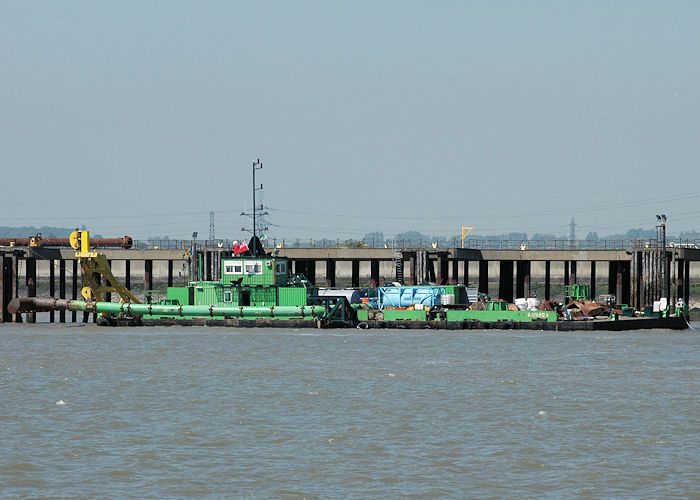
[246, 281]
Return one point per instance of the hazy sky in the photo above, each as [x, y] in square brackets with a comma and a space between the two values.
[140, 117]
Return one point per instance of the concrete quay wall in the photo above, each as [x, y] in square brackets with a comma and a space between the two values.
[344, 257]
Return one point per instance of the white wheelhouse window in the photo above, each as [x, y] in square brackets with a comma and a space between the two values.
[233, 268]
[253, 267]
[228, 296]
[281, 267]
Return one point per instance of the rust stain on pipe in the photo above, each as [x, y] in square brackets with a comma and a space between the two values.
[124, 242]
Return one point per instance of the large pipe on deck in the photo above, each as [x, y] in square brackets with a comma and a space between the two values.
[35, 241]
[38, 304]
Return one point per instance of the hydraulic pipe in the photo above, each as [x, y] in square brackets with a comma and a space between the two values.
[38, 304]
[124, 242]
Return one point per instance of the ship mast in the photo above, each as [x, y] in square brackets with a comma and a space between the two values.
[257, 211]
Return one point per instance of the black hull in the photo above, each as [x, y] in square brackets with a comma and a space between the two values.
[625, 324]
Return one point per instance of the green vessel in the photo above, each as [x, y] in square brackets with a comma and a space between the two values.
[257, 289]
[251, 287]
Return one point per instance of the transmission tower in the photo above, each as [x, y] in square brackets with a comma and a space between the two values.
[572, 229]
[212, 234]
[572, 232]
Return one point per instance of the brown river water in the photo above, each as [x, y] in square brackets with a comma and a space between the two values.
[176, 412]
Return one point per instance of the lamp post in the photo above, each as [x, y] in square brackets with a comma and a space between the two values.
[662, 264]
[193, 257]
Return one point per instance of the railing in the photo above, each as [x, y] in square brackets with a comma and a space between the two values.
[179, 244]
[476, 244]
[625, 244]
[557, 244]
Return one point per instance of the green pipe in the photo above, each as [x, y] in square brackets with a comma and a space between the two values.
[202, 311]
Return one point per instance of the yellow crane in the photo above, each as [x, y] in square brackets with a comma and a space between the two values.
[93, 263]
[465, 232]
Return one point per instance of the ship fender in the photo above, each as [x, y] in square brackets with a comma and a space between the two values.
[362, 325]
